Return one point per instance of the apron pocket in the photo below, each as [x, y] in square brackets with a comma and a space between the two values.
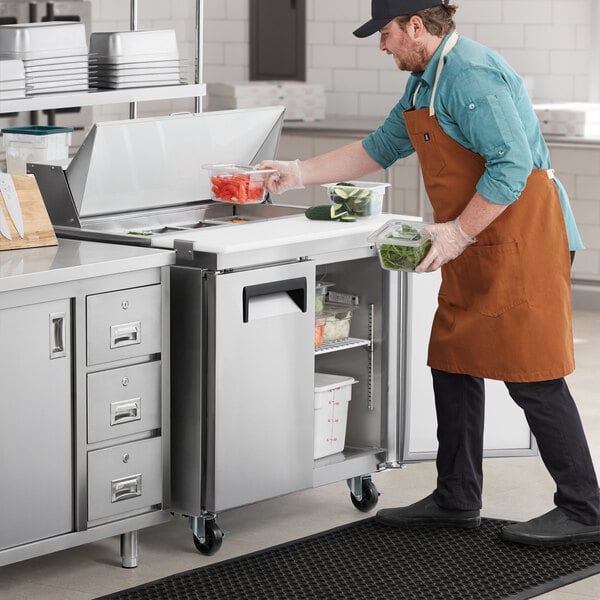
[489, 278]
[430, 157]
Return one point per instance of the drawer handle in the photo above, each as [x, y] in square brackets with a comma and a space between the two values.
[57, 335]
[125, 411]
[125, 334]
[126, 488]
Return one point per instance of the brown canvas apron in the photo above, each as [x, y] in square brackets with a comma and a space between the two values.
[504, 305]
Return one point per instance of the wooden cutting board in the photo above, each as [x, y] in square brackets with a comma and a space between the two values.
[37, 224]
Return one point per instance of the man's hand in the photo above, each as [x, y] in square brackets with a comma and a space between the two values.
[288, 176]
[449, 241]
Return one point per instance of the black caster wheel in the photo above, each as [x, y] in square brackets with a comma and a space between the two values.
[370, 497]
[213, 539]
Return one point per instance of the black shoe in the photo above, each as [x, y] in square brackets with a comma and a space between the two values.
[426, 513]
[553, 528]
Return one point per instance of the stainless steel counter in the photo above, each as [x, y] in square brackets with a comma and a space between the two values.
[72, 260]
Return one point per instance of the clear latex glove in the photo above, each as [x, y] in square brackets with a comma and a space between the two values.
[288, 176]
[449, 241]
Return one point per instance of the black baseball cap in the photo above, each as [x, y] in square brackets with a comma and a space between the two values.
[383, 11]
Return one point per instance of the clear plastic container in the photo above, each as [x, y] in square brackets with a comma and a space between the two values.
[319, 328]
[361, 198]
[337, 319]
[35, 144]
[401, 245]
[321, 290]
[238, 184]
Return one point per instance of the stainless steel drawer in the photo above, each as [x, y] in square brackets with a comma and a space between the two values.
[123, 324]
[123, 478]
[123, 401]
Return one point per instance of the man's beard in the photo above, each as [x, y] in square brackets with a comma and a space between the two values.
[415, 61]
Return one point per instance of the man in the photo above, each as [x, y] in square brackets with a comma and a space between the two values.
[502, 235]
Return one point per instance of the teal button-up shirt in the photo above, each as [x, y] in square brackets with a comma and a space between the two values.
[482, 104]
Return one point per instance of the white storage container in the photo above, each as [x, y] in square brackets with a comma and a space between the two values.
[35, 144]
[332, 395]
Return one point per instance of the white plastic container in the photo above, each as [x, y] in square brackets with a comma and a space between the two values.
[332, 396]
[35, 144]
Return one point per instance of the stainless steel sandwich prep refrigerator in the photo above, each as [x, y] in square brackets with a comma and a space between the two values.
[243, 357]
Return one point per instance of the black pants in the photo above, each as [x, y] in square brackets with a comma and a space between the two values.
[554, 421]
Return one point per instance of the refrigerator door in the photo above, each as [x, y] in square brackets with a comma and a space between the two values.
[506, 430]
[260, 384]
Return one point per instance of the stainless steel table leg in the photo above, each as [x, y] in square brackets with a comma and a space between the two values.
[129, 549]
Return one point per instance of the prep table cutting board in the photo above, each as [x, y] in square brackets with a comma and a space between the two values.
[274, 240]
[37, 225]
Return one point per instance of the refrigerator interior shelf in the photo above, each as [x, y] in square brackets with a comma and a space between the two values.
[341, 345]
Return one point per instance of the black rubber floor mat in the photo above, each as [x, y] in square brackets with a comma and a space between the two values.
[368, 560]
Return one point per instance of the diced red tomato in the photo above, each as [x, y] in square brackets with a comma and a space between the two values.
[240, 188]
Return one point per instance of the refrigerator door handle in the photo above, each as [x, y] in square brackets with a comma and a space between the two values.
[295, 288]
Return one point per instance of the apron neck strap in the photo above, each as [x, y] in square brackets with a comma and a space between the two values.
[450, 43]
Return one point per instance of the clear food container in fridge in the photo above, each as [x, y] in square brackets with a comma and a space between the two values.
[359, 198]
[401, 245]
[238, 184]
[321, 290]
[319, 328]
[337, 320]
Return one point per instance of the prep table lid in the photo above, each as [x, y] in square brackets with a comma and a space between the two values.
[156, 162]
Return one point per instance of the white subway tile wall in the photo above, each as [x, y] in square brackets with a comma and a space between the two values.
[549, 41]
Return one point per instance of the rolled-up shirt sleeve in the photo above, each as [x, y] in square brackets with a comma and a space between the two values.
[479, 102]
[390, 141]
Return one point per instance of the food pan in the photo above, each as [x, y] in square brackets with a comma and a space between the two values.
[42, 40]
[142, 45]
[11, 70]
[401, 245]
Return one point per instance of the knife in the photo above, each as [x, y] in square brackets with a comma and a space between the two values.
[11, 199]
[4, 226]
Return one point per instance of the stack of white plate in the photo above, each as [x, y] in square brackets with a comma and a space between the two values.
[54, 55]
[12, 79]
[128, 59]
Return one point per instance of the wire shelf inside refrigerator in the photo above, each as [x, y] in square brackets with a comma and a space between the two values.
[341, 345]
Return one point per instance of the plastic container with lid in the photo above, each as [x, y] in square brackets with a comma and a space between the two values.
[360, 198]
[332, 397]
[35, 144]
[401, 245]
[238, 184]
[321, 290]
[337, 318]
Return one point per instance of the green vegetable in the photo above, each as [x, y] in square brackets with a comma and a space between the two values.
[404, 257]
[328, 212]
[355, 200]
[139, 232]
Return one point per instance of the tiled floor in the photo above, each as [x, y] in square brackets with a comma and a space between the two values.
[517, 488]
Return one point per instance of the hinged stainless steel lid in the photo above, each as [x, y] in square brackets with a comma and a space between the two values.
[138, 164]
